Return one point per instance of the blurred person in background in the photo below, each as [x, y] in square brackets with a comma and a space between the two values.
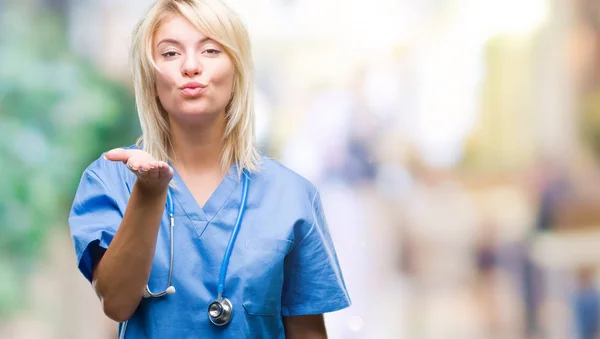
[586, 305]
[487, 266]
[552, 189]
[194, 87]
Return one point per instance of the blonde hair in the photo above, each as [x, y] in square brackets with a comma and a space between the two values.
[217, 21]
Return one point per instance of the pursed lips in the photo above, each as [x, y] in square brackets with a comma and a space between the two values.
[193, 88]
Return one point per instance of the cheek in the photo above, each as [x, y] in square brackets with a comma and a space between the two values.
[163, 82]
[223, 76]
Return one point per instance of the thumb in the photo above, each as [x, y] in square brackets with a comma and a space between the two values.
[117, 154]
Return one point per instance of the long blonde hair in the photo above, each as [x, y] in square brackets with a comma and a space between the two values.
[218, 22]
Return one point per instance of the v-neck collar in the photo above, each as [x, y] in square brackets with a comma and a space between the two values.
[218, 198]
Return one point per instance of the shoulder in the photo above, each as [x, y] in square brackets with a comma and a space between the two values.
[275, 173]
[280, 179]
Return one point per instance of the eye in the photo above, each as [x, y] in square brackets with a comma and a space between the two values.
[169, 54]
[212, 51]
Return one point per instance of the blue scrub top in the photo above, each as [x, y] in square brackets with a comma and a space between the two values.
[283, 261]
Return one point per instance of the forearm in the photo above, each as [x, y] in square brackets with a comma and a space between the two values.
[122, 274]
[305, 327]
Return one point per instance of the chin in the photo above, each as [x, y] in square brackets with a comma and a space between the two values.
[195, 112]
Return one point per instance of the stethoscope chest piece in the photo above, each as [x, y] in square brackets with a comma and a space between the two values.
[220, 311]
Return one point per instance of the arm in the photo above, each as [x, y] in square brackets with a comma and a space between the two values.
[120, 277]
[313, 283]
[121, 274]
[305, 327]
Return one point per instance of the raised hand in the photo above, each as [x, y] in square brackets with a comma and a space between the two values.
[152, 174]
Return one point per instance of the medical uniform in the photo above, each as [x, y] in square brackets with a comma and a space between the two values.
[283, 261]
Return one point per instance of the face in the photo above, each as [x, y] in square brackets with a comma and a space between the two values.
[195, 74]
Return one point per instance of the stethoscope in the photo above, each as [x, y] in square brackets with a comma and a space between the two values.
[220, 310]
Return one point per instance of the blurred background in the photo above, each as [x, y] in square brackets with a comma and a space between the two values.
[456, 144]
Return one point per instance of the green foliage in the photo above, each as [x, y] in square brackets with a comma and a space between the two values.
[57, 114]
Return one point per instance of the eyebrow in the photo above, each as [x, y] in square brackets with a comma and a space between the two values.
[176, 42]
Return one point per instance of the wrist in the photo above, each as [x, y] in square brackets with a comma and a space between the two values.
[149, 190]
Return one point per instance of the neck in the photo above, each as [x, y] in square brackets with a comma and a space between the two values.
[197, 147]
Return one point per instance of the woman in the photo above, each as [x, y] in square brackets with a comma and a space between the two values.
[246, 233]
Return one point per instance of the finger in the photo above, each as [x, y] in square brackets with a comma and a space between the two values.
[161, 165]
[145, 166]
[153, 173]
[165, 170]
[133, 165]
[117, 154]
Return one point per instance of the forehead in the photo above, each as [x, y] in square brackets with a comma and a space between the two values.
[177, 27]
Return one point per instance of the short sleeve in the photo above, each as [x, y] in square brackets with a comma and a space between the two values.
[313, 281]
[93, 221]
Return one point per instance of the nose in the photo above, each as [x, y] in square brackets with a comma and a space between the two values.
[191, 66]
